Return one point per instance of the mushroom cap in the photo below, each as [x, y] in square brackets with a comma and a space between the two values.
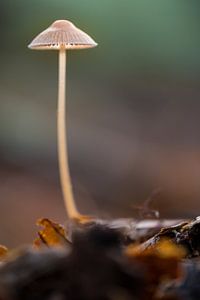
[62, 34]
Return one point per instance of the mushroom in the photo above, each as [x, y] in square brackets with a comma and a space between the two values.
[63, 35]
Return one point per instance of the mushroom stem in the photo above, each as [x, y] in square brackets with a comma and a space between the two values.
[62, 141]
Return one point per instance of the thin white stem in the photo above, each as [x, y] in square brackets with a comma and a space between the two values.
[62, 141]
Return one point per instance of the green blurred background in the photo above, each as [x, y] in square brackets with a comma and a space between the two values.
[133, 105]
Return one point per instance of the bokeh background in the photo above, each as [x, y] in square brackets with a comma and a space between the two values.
[133, 111]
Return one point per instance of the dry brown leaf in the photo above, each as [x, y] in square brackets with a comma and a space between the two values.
[52, 234]
[3, 252]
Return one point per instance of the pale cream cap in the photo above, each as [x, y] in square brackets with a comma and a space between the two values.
[62, 34]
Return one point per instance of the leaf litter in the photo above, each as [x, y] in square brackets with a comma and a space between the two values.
[105, 260]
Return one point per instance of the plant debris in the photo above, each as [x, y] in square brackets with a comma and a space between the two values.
[51, 234]
[3, 252]
[103, 261]
[186, 234]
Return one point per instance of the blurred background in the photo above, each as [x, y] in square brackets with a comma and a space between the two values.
[133, 111]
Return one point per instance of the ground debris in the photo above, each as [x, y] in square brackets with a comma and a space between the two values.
[95, 268]
[106, 260]
[3, 252]
[51, 235]
[185, 234]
